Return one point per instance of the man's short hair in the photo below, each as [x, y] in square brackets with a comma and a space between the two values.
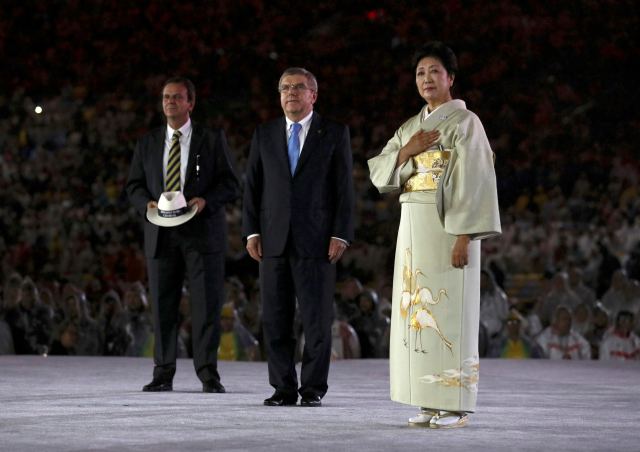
[191, 88]
[311, 79]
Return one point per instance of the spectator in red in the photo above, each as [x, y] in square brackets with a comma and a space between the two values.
[621, 344]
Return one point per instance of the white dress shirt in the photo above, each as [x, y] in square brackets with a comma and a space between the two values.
[304, 130]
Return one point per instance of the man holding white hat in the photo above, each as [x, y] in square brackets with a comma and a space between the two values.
[180, 179]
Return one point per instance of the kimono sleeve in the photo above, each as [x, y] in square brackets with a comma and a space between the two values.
[383, 172]
[469, 190]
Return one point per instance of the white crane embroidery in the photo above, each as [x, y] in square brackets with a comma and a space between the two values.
[414, 306]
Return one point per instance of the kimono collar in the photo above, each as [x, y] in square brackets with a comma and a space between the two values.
[443, 110]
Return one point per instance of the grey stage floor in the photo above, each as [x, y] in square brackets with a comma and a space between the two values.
[85, 403]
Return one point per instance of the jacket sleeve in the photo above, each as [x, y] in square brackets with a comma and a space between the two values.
[345, 200]
[136, 186]
[224, 187]
[252, 189]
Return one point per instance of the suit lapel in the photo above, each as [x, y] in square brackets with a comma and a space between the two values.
[278, 136]
[311, 141]
[197, 139]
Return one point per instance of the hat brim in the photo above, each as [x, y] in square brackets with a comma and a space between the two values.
[154, 217]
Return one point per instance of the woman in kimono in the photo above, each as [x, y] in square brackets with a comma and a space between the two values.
[442, 163]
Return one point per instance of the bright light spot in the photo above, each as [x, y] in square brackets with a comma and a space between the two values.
[38, 109]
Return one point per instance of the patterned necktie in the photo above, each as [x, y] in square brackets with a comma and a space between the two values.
[293, 146]
[173, 165]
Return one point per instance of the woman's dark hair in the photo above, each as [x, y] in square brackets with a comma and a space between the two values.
[439, 50]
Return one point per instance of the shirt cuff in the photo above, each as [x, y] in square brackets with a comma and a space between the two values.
[250, 236]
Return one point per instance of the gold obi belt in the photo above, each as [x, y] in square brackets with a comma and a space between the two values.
[428, 168]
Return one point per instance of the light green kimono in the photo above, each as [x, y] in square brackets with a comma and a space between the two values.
[435, 314]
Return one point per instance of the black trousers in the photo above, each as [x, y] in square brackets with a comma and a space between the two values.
[312, 282]
[176, 261]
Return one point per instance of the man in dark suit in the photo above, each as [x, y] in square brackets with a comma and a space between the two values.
[185, 157]
[298, 220]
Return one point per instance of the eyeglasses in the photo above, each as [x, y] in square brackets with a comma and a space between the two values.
[293, 88]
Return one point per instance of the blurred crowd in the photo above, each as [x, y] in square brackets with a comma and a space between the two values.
[551, 84]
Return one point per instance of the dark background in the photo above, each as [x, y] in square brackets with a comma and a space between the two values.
[552, 83]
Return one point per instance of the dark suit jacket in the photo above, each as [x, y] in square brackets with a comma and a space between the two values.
[215, 181]
[314, 204]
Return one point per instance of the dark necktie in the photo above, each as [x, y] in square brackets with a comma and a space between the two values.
[293, 146]
[173, 165]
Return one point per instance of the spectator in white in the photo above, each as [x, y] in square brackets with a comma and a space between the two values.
[494, 305]
[344, 341]
[576, 283]
[621, 343]
[624, 294]
[560, 294]
[533, 325]
[582, 318]
[558, 341]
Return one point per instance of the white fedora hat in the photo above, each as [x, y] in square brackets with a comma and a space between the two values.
[172, 210]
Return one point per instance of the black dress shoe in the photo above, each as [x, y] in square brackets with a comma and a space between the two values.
[310, 400]
[213, 386]
[157, 385]
[281, 399]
